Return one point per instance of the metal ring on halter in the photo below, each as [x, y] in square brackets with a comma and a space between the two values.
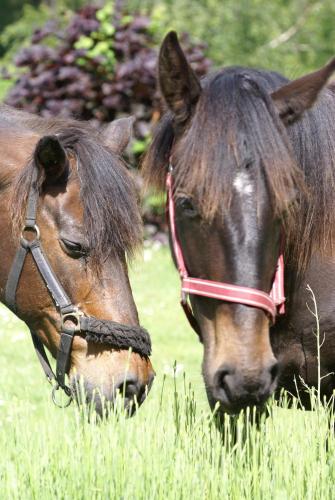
[74, 317]
[33, 228]
[67, 391]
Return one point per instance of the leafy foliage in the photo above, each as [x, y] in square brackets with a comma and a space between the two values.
[10, 11]
[101, 65]
[17, 34]
[291, 37]
[19, 19]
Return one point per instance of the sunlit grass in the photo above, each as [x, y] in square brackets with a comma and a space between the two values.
[171, 448]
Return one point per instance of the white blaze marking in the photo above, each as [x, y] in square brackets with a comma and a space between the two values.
[242, 183]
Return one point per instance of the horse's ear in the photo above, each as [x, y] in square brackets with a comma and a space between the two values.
[179, 84]
[117, 134]
[51, 157]
[293, 99]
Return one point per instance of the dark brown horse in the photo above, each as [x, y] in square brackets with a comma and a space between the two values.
[253, 159]
[88, 219]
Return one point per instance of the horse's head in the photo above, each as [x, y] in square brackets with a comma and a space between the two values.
[235, 181]
[88, 219]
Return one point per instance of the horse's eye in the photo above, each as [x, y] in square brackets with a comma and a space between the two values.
[187, 206]
[73, 248]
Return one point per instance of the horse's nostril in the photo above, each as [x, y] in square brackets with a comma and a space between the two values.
[221, 379]
[274, 370]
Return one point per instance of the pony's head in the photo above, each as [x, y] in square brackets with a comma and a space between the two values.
[235, 179]
[89, 222]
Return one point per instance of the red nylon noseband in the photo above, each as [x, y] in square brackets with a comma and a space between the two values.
[272, 303]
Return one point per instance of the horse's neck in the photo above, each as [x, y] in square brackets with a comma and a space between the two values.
[294, 336]
[317, 281]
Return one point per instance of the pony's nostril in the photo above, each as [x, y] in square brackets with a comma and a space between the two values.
[133, 391]
[128, 388]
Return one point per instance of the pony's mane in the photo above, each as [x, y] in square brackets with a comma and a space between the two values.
[111, 213]
[235, 123]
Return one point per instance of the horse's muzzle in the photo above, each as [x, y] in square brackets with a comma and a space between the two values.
[126, 392]
[236, 391]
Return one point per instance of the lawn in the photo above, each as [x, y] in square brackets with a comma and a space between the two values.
[171, 449]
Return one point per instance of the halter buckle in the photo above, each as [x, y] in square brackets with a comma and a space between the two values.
[74, 317]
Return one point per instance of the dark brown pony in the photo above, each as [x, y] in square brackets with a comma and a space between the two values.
[89, 222]
[254, 159]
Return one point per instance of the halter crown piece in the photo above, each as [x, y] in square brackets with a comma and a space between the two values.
[272, 303]
[72, 320]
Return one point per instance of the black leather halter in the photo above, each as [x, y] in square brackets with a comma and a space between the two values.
[72, 320]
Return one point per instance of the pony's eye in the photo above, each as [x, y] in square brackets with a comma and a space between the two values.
[73, 248]
[187, 206]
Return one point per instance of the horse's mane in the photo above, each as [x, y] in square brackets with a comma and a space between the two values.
[111, 214]
[235, 122]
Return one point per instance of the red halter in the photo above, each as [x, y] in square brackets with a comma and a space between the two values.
[272, 303]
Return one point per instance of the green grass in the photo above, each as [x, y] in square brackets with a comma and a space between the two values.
[171, 449]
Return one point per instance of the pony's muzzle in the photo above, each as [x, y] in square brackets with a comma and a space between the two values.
[126, 393]
[236, 390]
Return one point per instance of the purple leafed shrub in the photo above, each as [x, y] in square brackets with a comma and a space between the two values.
[103, 64]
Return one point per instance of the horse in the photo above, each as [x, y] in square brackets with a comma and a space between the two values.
[69, 221]
[249, 161]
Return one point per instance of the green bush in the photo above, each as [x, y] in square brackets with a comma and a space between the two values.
[101, 63]
[291, 37]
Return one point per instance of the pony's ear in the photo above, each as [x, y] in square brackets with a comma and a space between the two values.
[117, 134]
[179, 84]
[51, 157]
[293, 99]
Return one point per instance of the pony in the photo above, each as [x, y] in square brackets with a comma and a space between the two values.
[252, 161]
[87, 224]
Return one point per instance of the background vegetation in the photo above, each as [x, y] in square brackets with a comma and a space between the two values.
[99, 65]
[286, 35]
